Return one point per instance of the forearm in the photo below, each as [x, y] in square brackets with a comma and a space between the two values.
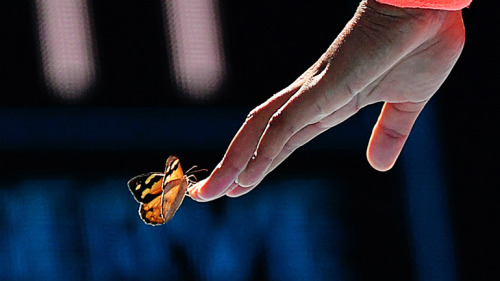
[451, 5]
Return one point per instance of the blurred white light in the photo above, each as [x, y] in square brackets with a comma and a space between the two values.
[66, 47]
[195, 39]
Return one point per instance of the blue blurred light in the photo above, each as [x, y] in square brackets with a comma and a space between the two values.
[427, 202]
[62, 229]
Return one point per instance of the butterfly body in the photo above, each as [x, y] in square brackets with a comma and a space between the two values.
[160, 194]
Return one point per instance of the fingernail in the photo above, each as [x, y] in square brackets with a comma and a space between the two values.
[242, 184]
[193, 193]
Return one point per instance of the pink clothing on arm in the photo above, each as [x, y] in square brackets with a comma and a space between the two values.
[451, 5]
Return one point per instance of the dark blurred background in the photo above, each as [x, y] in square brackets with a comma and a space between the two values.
[93, 93]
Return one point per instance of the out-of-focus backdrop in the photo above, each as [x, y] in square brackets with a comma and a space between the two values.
[93, 93]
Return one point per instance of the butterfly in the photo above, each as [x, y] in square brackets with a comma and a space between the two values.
[160, 194]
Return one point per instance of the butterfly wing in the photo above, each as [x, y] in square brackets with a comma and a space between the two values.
[146, 187]
[151, 213]
[174, 188]
[147, 190]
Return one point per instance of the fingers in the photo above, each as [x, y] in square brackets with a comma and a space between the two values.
[311, 131]
[308, 106]
[390, 133]
[357, 58]
[302, 137]
[363, 56]
[241, 149]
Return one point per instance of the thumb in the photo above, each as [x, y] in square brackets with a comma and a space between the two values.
[390, 133]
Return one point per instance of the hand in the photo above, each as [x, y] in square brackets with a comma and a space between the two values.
[389, 54]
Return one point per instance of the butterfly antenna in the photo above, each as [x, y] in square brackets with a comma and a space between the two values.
[190, 173]
[191, 177]
[190, 170]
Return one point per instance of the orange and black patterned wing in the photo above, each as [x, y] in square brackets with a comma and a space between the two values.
[174, 188]
[148, 190]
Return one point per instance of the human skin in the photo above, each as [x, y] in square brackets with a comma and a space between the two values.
[384, 54]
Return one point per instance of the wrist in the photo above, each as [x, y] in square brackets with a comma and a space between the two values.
[403, 19]
[450, 5]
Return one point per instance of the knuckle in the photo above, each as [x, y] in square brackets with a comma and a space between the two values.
[258, 111]
[394, 134]
[251, 115]
[232, 169]
[325, 123]
[319, 108]
[265, 158]
[281, 124]
[290, 147]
